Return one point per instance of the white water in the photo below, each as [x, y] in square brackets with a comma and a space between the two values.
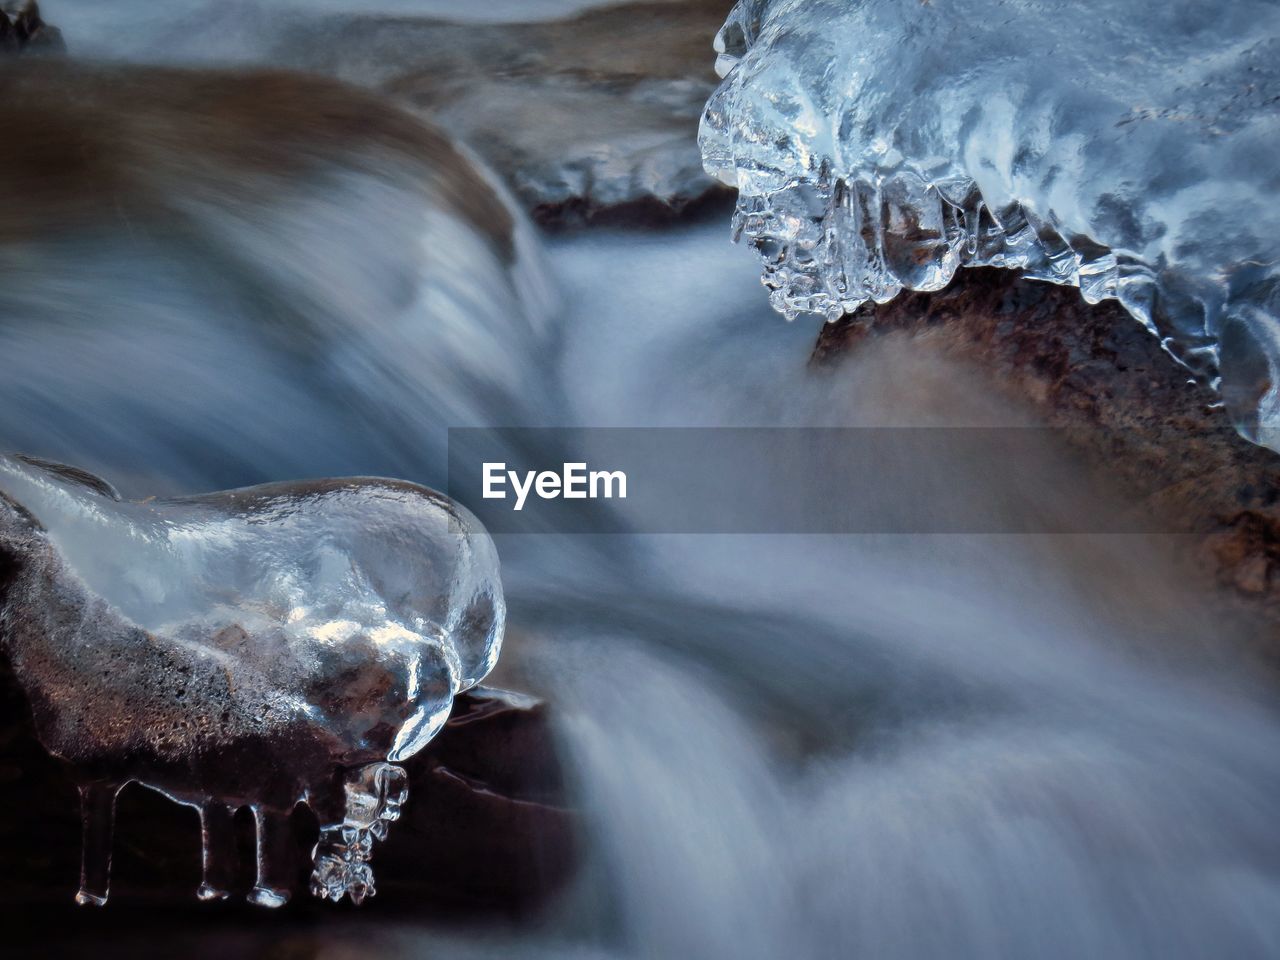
[1006, 747]
[784, 746]
[221, 31]
[809, 746]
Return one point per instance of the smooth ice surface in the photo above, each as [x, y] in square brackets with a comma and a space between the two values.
[256, 647]
[1131, 148]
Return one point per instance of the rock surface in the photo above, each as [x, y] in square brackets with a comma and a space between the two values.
[592, 118]
[1121, 401]
[487, 830]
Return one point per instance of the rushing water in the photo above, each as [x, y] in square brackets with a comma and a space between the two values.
[241, 30]
[806, 746]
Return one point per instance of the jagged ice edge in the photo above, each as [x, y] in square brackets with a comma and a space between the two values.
[830, 244]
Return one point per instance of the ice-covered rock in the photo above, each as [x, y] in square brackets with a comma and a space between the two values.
[259, 647]
[1130, 150]
[587, 118]
[488, 829]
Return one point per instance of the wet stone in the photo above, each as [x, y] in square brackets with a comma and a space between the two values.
[487, 829]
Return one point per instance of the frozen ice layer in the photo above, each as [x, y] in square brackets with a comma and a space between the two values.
[341, 858]
[1131, 149]
[258, 647]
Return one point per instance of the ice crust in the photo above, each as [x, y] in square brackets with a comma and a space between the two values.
[1131, 149]
[258, 647]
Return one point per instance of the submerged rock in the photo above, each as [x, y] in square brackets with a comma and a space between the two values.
[590, 118]
[258, 648]
[490, 826]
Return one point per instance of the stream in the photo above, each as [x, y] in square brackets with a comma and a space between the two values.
[783, 745]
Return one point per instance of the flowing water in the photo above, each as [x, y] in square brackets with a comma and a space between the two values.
[806, 746]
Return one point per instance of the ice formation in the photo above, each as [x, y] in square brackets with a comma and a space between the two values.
[1131, 149]
[258, 647]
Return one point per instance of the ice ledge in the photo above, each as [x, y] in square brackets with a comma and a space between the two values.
[882, 145]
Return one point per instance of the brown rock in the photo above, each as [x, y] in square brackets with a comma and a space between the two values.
[487, 829]
[1119, 399]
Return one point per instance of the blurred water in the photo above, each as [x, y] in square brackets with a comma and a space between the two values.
[205, 31]
[891, 746]
[784, 746]
[787, 745]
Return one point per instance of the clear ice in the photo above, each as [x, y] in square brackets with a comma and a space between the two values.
[1130, 148]
[254, 648]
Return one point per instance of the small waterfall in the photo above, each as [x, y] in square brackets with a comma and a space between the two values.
[809, 746]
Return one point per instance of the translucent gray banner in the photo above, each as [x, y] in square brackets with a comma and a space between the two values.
[783, 480]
